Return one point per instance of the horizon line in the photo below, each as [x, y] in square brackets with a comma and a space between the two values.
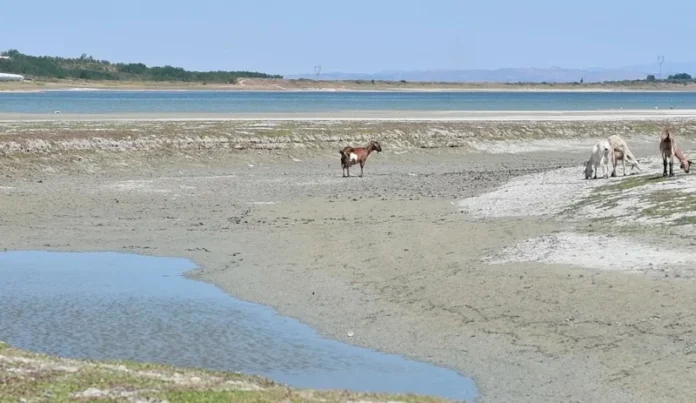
[626, 67]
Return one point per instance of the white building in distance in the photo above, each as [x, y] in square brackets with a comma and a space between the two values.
[11, 77]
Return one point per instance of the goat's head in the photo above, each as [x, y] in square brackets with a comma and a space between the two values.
[375, 145]
[686, 165]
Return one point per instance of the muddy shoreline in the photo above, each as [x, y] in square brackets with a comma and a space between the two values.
[393, 116]
[389, 257]
[300, 85]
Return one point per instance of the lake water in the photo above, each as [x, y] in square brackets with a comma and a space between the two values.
[121, 306]
[103, 102]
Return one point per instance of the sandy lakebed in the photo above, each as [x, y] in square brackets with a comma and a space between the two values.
[473, 244]
[261, 84]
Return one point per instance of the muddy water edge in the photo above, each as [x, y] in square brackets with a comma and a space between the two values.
[388, 258]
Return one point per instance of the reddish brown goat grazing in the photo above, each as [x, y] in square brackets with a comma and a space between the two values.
[669, 150]
[356, 155]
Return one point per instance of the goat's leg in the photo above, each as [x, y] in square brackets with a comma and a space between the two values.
[611, 167]
[348, 171]
[613, 170]
[361, 169]
[671, 162]
[664, 165]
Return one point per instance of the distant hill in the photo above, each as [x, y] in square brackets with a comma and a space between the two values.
[513, 75]
[88, 68]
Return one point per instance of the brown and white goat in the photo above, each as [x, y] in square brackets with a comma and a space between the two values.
[357, 155]
[669, 150]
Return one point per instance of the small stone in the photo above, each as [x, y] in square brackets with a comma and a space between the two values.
[351, 334]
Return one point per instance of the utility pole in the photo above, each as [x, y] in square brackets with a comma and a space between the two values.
[660, 60]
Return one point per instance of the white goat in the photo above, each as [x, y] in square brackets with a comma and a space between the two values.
[622, 153]
[601, 155]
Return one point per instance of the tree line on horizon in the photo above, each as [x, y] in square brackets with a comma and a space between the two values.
[672, 78]
[87, 68]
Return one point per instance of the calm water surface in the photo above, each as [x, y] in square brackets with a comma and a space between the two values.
[120, 306]
[102, 102]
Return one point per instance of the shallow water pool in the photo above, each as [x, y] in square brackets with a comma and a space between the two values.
[139, 308]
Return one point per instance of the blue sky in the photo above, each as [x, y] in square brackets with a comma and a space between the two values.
[360, 36]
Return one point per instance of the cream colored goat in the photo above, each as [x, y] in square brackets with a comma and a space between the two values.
[622, 153]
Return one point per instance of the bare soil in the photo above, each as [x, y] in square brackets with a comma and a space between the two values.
[254, 84]
[391, 257]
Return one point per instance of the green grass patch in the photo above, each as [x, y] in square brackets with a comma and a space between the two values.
[668, 202]
[38, 377]
[661, 203]
[196, 396]
[690, 220]
[631, 183]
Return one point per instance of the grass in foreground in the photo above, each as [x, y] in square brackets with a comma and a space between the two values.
[31, 377]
